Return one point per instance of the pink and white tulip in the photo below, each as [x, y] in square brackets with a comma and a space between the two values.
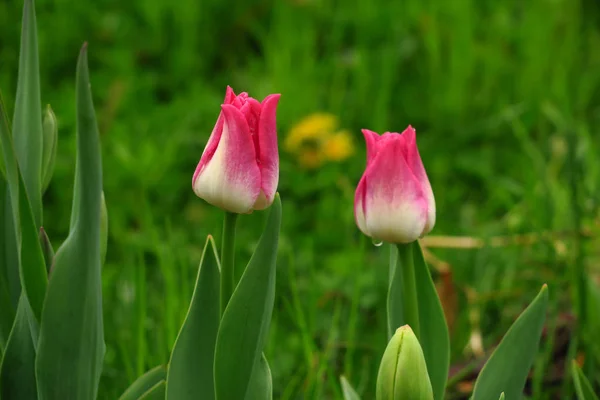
[239, 168]
[394, 201]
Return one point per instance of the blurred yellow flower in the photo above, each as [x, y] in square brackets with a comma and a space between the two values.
[310, 128]
[339, 146]
[310, 159]
[317, 139]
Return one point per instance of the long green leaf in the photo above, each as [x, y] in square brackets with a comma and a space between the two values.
[32, 270]
[191, 367]
[17, 372]
[156, 392]
[7, 309]
[9, 263]
[71, 344]
[433, 333]
[507, 369]
[11, 252]
[245, 323]
[261, 381]
[433, 336]
[27, 120]
[583, 387]
[347, 390]
[145, 383]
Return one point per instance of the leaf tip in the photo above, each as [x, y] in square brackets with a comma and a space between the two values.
[544, 290]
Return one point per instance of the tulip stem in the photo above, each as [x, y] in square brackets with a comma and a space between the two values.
[410, 303]
[227, 259]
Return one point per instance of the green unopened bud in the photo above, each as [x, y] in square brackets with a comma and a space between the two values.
[103, 229]
[403, 372]
[50, 141]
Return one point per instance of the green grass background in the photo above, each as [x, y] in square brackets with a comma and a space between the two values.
[505, 99]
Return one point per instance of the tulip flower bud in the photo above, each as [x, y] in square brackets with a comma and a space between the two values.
[50, 140]
[403, 372]
[394, 201]
[239, 168]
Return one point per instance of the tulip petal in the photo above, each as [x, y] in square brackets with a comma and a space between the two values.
[372, 139]
[231, 178]
[211, 146]
[229, 95]
[394, 203]
[416, 165]
[251, 111]
[359, 205]
[268, 156]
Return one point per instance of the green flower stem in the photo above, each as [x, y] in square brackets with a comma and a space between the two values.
[227, 259]
[409, 288]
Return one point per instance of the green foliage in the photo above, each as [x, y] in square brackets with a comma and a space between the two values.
[507, 369]
[433, 332]
[27, 121]
[71, 346]
[50, 141]
[17, 372]
[47, 249]
[504, 98]
[144, 383]
[191, 366]
[261, 382]
[583, 387]
[245, 324]
[347, 390]
[156, 392]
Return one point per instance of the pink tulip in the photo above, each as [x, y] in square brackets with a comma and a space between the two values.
[239, 168]
[394, 201]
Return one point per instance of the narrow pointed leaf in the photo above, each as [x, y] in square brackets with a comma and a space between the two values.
[583, 387]
[347, 390]
[71, 341]
[156, 392]
[27, 120]
[32, 270]
[191, 367]
[433, 333]
[501, 396]
[507, 368]
[17, 372]
[261, 382]
[245, 323]
[145, 383]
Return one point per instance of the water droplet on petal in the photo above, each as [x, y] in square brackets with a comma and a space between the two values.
[376, 242]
